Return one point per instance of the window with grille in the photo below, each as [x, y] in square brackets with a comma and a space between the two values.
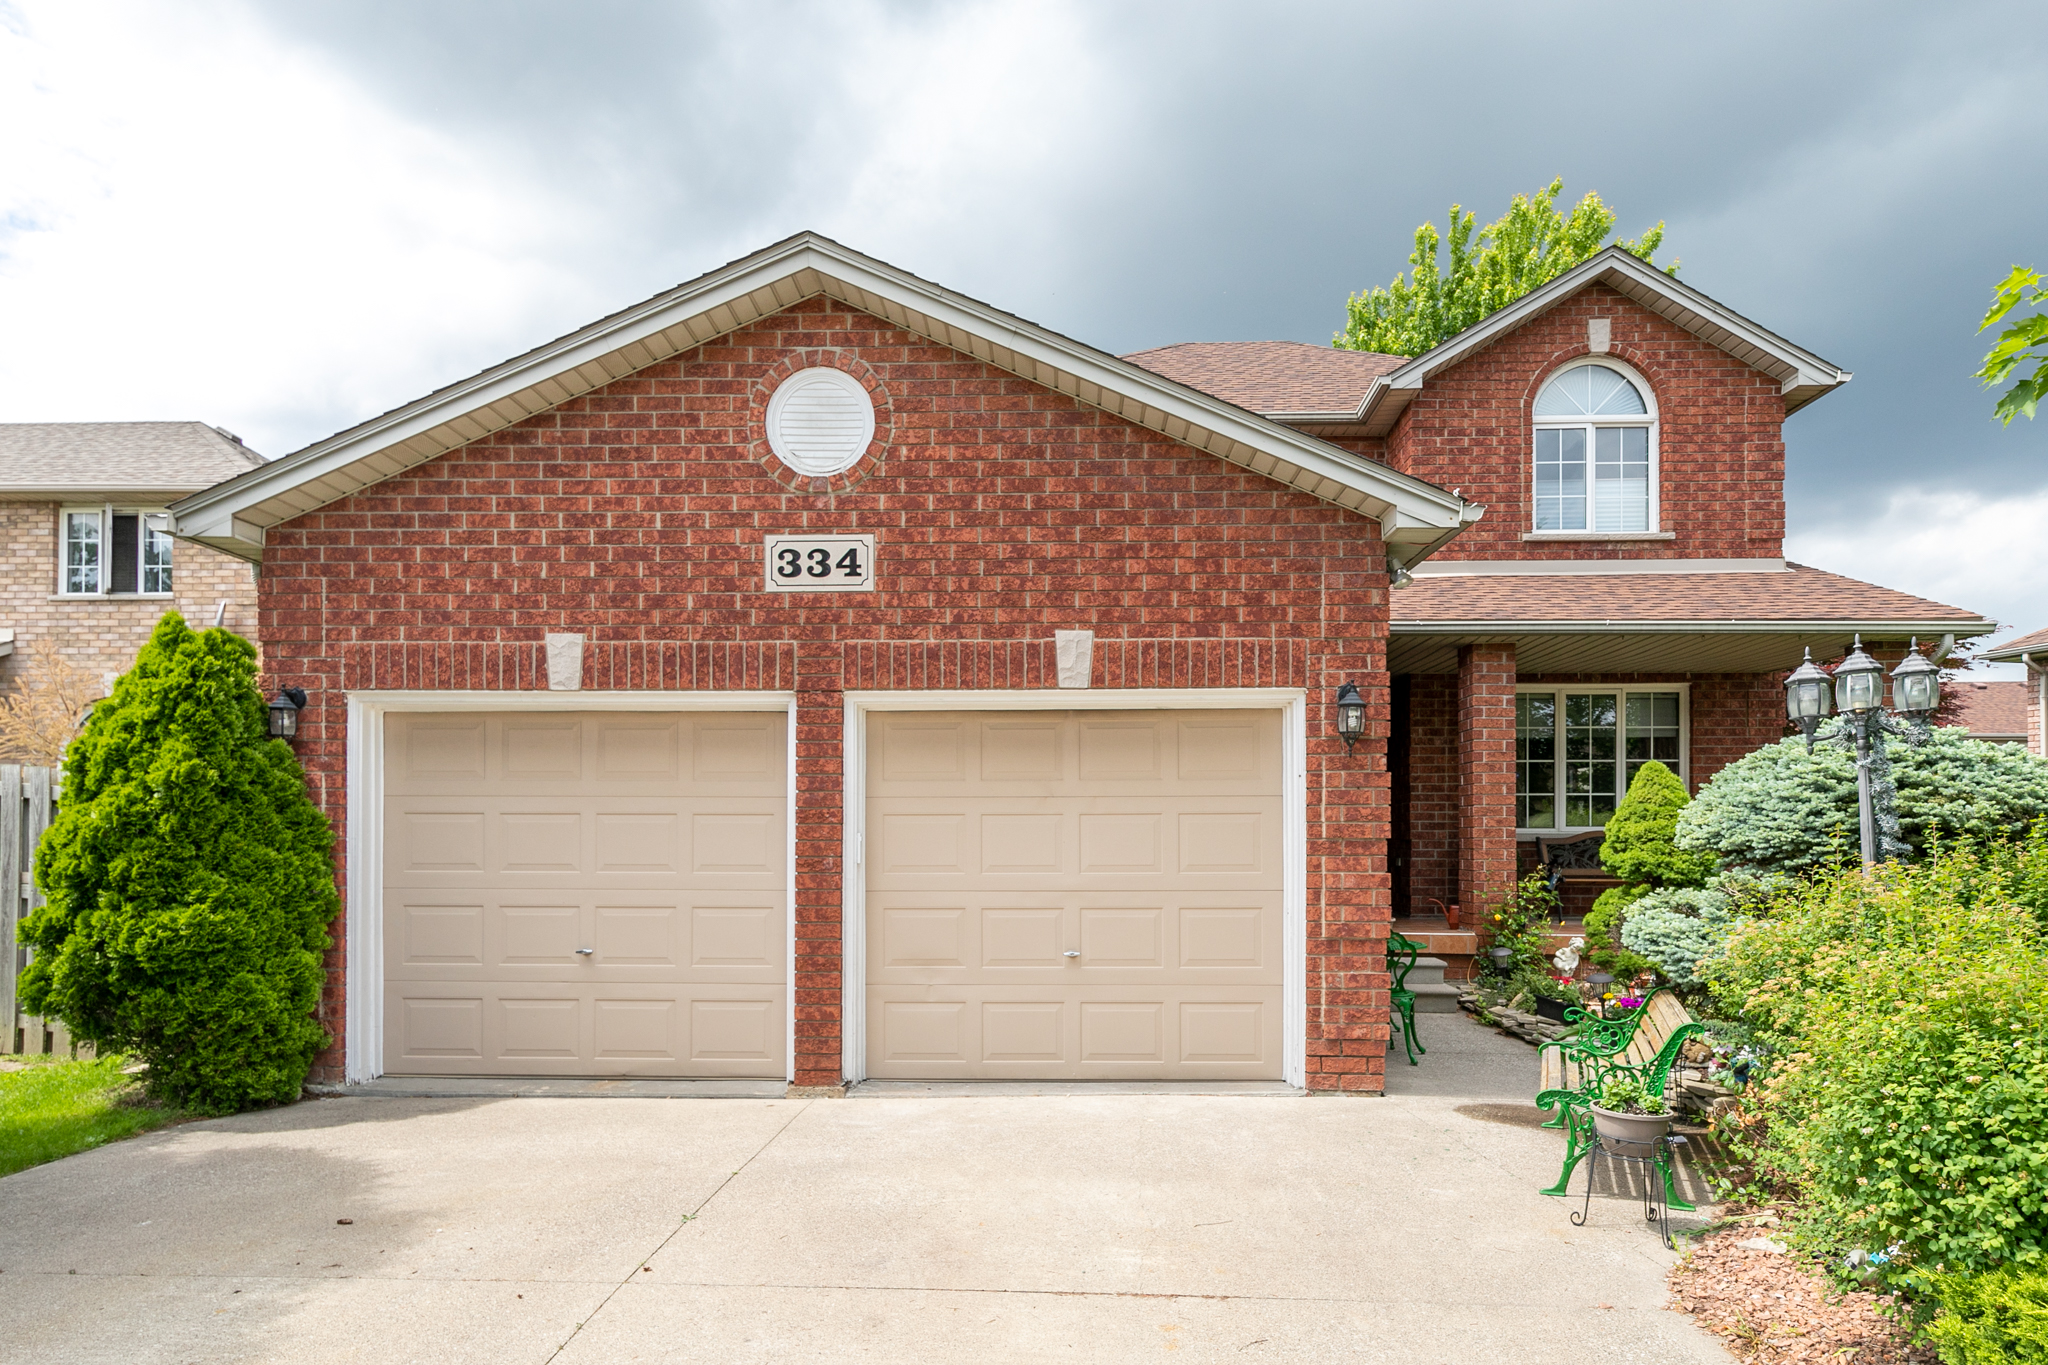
[1595, 466]
[1577, 749]
[109, 550]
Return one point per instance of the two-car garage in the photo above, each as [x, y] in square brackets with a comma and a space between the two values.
[1038, 894]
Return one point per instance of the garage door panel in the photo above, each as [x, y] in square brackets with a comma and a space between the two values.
[1146, 844]
[586, 894]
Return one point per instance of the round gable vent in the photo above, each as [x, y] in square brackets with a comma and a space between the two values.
[820, 421]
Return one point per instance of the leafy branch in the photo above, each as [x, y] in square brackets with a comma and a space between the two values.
[2023, 339]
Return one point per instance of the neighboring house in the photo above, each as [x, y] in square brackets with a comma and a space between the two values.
[813, 673]
[90, 560]
[2032, 651]
[1994, 711]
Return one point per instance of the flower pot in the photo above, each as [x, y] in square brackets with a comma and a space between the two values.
[1546, 1008]
[1630, 1127]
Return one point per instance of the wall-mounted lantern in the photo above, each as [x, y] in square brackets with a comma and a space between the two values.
[1350, 715]
[284, 712]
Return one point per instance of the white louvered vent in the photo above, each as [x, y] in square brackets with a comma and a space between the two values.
[820, 421]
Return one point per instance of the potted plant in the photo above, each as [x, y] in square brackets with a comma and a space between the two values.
[1554, 996]
[1627, 1113]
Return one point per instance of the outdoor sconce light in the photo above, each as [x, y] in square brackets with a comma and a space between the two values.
[1350, 715]
[1806, 697]
[284, 712]
[1859, 681]
[1916, 683]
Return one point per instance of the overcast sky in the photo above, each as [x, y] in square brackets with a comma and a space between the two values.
[285, 217]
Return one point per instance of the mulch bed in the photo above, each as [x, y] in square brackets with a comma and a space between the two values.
[1776, 1311]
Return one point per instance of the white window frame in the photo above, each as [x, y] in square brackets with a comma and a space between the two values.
[1651, 418]
[1621, 691]
[106, 512]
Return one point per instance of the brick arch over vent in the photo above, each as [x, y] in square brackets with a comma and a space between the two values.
[1003, 511]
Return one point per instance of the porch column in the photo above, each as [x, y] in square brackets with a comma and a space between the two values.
[1486, 776]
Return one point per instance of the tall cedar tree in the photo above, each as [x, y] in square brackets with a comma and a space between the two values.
[1525, 248]
[189, 884]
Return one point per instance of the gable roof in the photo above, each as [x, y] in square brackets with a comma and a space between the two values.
[1802, 375]
[1415, 516]
[117, 459]
[2034, 642]
[1282, 380]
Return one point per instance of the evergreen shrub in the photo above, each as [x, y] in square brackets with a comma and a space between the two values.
[1639, 847]
[1680, 929]
[1781, 809]
[1999, 1317]
[188, 881]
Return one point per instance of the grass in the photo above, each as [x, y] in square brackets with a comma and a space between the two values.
[56, 1108]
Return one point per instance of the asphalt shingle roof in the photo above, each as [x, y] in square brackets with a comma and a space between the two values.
[1271, 376]
[94, 456]
[1798, 593]
[1990, 708]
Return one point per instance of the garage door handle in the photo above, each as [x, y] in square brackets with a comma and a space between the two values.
[1070, 953]
[585, 952]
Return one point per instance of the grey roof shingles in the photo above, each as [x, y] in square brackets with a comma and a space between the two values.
[96, 457]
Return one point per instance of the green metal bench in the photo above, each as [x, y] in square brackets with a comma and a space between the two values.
[1595, 1041]
[1401, 954]
[1572, 1080]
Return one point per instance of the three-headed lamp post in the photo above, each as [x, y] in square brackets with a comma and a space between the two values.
[1858, 695]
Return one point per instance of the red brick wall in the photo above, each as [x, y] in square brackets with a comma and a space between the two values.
[1721, 444]
[1432, 792]
[1004, 511]
[1486, 776]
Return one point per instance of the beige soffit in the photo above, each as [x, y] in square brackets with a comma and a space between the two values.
[1415, 516]
[1560, 648]
[1801, 375]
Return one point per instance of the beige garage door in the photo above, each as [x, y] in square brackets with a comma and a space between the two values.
[585, 894]
[1074, 894]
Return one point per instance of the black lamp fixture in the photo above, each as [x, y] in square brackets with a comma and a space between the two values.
[1350, 715]
[284, 712]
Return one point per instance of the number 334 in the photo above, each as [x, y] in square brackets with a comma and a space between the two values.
[791, 563]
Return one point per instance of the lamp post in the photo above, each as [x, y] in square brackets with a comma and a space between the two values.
[1858, 688]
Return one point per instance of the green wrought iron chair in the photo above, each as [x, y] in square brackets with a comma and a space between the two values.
[1401, 954]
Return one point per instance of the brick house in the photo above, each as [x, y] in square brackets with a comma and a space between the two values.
[813, 674]
[91, 562]
[2031, 650]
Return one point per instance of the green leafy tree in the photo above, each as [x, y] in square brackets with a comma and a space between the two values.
[1782, 809]
[1526, 247]
[188, 882]
[2024, 339]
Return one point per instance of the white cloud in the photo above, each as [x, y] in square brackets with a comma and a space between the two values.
[200, 222]
[1987, 554]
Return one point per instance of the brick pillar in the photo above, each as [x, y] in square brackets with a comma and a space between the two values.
[1486, 776]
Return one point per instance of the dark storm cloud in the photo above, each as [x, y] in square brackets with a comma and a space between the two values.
[1854, 177]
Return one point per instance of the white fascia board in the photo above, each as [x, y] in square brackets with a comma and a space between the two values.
[1688, 627]
[737, 294]
[1796, 368]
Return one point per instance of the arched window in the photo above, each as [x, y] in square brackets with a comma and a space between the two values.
[1596, 452]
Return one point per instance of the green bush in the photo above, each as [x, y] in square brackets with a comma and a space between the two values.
[1908, 1011]
[1638, 846]
[1997, 1318]
[1604, 929]
[1781, 809]
[188, 883]
[1679, 929]
[1521, 924]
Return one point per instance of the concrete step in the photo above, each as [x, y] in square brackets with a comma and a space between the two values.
[1437, 998]
[1427, 971]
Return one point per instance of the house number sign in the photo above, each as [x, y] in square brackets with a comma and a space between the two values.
[821, 563]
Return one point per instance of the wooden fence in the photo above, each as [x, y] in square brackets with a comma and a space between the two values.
[28, 802]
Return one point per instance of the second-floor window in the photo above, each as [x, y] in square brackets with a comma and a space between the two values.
[109, 550]
[1595, 453]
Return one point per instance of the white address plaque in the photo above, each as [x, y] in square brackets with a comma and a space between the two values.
[821, 563]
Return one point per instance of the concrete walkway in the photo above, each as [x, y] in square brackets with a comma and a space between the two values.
[1073, 1227]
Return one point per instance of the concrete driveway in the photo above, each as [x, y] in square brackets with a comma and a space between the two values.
[1092, 1228]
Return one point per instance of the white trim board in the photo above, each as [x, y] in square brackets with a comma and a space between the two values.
[1461, 568]
[1291, 702]
[363, 962]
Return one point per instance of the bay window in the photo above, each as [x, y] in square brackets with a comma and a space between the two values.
[1595, 453]
[109, 550]
[1578, 748]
